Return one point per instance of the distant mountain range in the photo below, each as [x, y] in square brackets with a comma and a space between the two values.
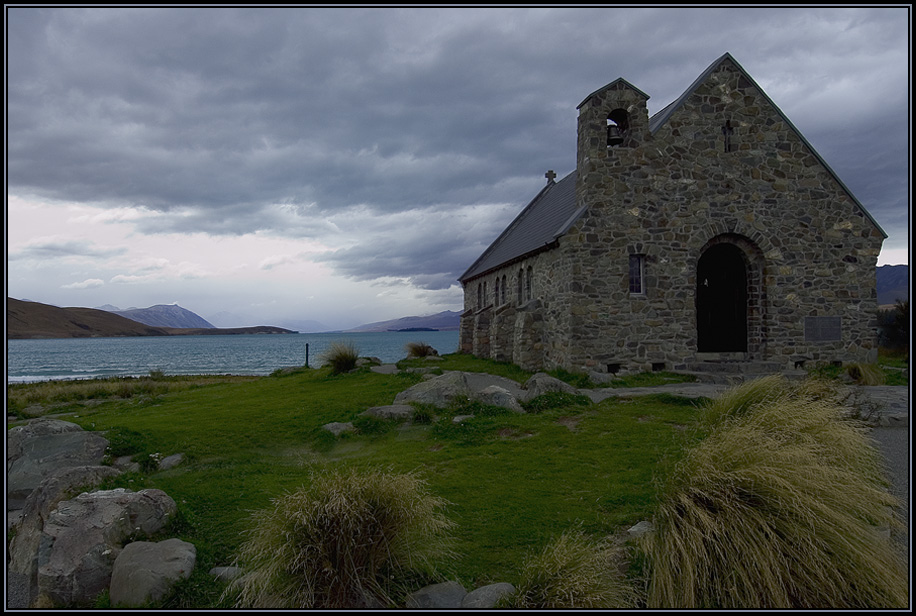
[443, 321]
[893, 283]
[34, 320]
[161, 315]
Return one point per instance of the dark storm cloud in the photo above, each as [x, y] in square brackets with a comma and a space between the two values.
[235, 120]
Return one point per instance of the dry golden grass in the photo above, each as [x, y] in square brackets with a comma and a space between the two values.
[573, 571]
[342, 542]
[782, 505]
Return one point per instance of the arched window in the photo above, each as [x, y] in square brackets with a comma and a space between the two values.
[521, 277]
[486, 297]
[528, 293]
[479, 297]
[502, 298]
[496, 292]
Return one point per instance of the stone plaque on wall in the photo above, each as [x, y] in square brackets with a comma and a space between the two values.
[823, 329]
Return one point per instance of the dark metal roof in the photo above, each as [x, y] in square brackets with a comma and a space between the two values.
[549, 215]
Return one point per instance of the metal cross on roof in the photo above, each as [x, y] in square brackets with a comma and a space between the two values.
[550, 175]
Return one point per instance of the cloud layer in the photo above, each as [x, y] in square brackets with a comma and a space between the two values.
[402, 140]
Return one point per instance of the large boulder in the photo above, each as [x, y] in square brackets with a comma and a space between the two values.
[541, 383]
[61, 485]
[439, 392]
[495, 395]
[146, 571]
[41, 447]
[83, 536]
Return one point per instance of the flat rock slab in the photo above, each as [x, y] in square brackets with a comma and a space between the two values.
[385, 369]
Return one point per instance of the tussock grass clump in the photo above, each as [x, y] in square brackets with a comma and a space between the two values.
[573, 571]
[782, 505]
[341, 356]
[419, 349]
[865, 374]
[554, 400]
[342, 542]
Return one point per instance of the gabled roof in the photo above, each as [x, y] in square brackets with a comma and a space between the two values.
[536, 228]
[619, 80]
[659, 119]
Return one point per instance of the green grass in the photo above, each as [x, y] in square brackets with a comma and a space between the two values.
[514, 480]
[464, 362]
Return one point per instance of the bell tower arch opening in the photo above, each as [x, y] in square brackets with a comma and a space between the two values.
[722, 300]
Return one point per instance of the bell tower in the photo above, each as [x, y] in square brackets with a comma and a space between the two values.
[611, 120]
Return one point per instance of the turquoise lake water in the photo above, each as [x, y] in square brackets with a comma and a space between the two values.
[75, 358]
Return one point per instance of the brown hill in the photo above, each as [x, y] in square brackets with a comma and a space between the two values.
[34, 320]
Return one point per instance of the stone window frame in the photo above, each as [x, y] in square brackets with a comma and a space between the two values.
[479, 295]
[502, 298]
[496, 292]
[528, 284]
[637, 275]
[521, 278]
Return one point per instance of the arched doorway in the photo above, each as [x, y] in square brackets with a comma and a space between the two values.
[722, 300]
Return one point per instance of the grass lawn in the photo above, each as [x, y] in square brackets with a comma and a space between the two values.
[514, 481]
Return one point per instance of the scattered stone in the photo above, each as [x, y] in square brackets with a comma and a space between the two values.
[145, 571]
[486, 597]
[392, 411]
[337, 428]
[447, 595]
[126, 464]
[368, 361]
[497, 396]
[171, 461]
[226, 574]
[640, 529]
[439, 391]
[434, 357]
[461, 418]
[385, 369]
[570, 422]
[83, 536]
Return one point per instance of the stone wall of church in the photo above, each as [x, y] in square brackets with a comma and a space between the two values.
[811, 251]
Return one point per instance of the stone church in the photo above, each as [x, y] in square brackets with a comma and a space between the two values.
[710, 232]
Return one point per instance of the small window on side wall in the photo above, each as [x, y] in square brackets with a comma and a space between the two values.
[637, 274]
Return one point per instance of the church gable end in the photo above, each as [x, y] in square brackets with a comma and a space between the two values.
[712, 230]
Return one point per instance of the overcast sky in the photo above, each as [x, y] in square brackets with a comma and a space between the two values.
[347, 165]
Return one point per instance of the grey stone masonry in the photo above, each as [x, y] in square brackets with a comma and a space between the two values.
[712, 231]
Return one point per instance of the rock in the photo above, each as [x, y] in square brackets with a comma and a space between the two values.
[368, 361]
[171, 461]
[36, 427]
[541, 383]
[486, 597]
[42, 447]
[226, 574]
[460, 418]
[145, 571]
[495, 395]
[337, 428]
[447, 595]
[439, 391]
[126, 464]
[640, 529]
[83, 536]
[392, 411]
[60, 485]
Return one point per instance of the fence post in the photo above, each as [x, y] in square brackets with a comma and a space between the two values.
[306, 354]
